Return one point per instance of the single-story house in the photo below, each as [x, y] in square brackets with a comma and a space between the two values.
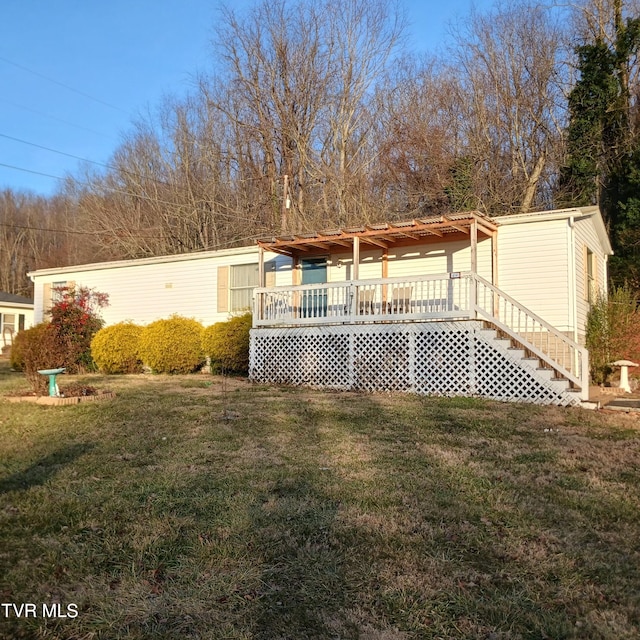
[16, 314]
[459, 304]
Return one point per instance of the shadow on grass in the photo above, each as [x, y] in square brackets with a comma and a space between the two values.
[41, 471]
[304, 584]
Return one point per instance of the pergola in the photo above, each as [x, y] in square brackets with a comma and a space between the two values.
[436, 229]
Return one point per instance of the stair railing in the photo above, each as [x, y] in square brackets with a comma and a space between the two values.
[539, 337]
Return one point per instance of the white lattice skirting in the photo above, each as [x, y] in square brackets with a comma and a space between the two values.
[435, 358]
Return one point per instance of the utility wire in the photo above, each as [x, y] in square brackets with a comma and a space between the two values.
[61, 84]
[62, 153]
[67, 122]
[82, 233]
[218, 245]
[232, 216]
[70, 155]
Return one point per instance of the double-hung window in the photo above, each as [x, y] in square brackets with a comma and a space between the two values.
[243, 280]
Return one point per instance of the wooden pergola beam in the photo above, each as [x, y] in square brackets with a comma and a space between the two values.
[377, 242]
[381, 235]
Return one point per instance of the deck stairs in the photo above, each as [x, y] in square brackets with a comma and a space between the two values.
[542, 369]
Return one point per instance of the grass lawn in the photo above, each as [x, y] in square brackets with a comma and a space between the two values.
[185, 510]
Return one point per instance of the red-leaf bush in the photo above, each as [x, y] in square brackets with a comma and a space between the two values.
[63, 342]
[75, 320]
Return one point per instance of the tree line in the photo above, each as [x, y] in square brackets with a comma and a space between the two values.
[318, 116]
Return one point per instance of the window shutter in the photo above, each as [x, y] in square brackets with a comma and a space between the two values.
[46, 300]
[223, 289]
[21, 322]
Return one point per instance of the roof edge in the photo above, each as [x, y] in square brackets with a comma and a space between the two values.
[134, 262]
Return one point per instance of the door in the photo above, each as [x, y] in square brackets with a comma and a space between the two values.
[314, 302]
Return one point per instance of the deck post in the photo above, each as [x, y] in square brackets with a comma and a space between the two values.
[355, 274]
[259, 307]
[474, 267]
[385, 274]
[297, 279]
[494, 270]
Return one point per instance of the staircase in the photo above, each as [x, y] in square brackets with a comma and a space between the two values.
[545, 383]
[542, 343]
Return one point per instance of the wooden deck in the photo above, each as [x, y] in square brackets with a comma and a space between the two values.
[461, 296]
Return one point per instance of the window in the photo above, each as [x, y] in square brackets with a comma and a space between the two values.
[591, 290]
[243, 280]
[56, 294]
[8, 326]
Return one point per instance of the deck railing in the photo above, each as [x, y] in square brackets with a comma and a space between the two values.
[388, 299]
[541, 338]
[454, 296]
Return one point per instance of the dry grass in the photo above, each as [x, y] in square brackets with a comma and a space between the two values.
[190, 507]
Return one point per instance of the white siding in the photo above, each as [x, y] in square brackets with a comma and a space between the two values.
[422, 259]
[586, 237]
[533, 268]
[434, 259]
[340, 265]
[146, 291]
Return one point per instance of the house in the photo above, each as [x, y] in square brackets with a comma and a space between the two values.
[460, 304]
[208, 286]
[16, 314]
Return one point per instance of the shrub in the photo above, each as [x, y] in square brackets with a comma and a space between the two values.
[74, 321]
[227, 344]
[115, 349]
[172, 345]
[613, 331]
[38, 348]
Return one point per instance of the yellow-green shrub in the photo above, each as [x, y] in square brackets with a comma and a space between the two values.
[172, 345]
[227, 344]
[115, 349]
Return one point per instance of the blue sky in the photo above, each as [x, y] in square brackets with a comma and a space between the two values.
[75, 73]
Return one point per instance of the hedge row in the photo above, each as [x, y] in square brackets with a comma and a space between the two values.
[173, 345]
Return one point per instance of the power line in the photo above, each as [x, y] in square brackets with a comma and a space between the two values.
[232, 216]
[82, 233]
[70, 155]
[67, 122]
[61, 84]
[62, 153]
[213, 247]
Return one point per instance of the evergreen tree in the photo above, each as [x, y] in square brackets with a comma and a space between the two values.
[603, 155]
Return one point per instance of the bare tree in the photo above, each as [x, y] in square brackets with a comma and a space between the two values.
[512, 106]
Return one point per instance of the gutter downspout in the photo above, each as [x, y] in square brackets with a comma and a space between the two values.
[573, 305]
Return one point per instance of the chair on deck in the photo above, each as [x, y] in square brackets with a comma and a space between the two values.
[400, 300]
[366, 301]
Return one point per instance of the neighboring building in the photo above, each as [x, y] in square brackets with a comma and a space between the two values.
[398, 306]
[16, 314]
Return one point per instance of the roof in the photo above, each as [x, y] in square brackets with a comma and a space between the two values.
[116, 264]
[592, 212]
[449, 226]
[383, 234]
[11, 298]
